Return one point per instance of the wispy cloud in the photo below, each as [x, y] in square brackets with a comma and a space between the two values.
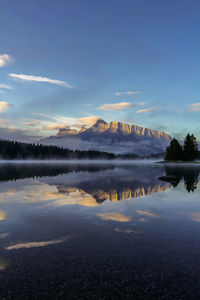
[142, 103]
[194, 107]
[55, 126]
[2, 122]
[32, 122]
[145, 110]
[88, 121]
[128, 93]
[24, 77]
[5, 86]
[4, 106]
[71, 122]
[5, 59]
[116, 106]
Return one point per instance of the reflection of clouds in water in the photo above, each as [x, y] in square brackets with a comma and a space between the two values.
[195, 217]
[146, 213]
[3, 264]
[73, 196]
[142, 220]
[112, 216]
[4, 235]
[44, 192]
[36, 244]
[126, 230]
[3, 215]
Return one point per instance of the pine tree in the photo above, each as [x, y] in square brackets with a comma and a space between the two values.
[174, 151]
[190, 148]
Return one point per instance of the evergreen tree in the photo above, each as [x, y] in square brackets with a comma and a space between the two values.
[190, 148]
[18, 150]
[174, 151]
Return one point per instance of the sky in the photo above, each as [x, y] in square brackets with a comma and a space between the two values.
[66, 63]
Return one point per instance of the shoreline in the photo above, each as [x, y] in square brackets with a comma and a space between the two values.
[179, 162]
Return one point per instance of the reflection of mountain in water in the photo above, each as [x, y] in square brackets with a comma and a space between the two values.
[188, 174]
[114, 185]
[115, 195]
[87, 185]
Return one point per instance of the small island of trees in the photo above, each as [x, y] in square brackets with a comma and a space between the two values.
[188, 152]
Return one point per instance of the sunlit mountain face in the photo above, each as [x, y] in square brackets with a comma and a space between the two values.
[114, 137]
[135, 217]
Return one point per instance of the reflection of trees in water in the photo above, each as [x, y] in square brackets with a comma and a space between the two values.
[191, 179]
[37, 170]
[190, 176]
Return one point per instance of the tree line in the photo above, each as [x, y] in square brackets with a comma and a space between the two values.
[18, 150]
[188, 152]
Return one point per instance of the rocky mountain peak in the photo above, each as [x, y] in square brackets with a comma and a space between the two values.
[113, 137]
[100, 122]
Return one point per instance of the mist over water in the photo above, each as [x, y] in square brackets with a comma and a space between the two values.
[99, 228]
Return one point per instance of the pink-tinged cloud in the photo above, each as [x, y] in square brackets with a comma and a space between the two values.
[194, 107]
[55, 126]
[128, 93]
[4, 106]
[145, 110]
[116, 106]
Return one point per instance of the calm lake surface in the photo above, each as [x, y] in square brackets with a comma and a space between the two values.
[99, 231]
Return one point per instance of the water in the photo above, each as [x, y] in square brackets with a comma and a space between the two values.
[99, 231]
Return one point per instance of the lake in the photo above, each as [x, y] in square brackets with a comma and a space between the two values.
[99, 231]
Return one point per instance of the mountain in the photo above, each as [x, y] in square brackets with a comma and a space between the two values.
[114, 137]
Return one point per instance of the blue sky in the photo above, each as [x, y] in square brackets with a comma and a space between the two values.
[65, 63]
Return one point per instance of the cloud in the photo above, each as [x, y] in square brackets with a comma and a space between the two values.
[2, 122]
[194, 107]
[36, 244]
[112, 216]
[116, 106]
[55, 127]
[5, 59]
[142, 103]
[127, 93]
[145, 110]
[5, 86]
[4, 106]
[13, 133]
[24, 77]
[72, 122]
[32, 122]
[89, 121]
